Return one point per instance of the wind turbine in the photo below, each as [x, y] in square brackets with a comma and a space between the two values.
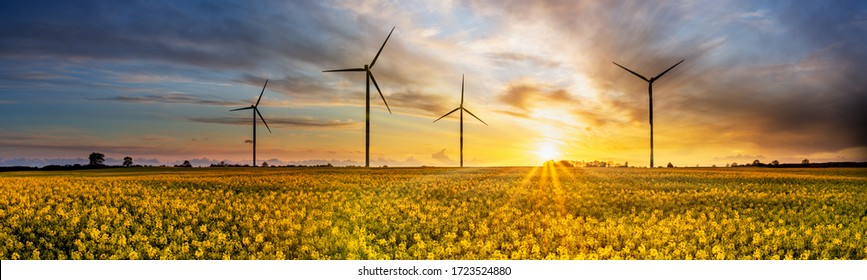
[650, 94]
[370, 78]
[461, 107]
[255, 109]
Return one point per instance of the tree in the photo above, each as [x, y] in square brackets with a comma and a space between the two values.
[757, 163]
[805, 162]
[265, 164]
[670, 165]
[186, 164]
[734, 164]
[775, 162]
[96, 159]
[127, 161]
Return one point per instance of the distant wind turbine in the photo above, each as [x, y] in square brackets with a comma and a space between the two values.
[370, 78]
[650, 94]
[255, 109]
[461, 107]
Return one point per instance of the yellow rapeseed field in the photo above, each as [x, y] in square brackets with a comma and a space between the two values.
[434, 213]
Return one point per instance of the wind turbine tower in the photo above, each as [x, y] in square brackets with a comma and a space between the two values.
[255, 109]
[462, 109]
[367, 69]
[650, 94]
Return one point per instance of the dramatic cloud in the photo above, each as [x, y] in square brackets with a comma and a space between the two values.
[780, 79]
[211, 34]
[727, 81]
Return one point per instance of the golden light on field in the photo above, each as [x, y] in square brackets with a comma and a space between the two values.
[519, 213]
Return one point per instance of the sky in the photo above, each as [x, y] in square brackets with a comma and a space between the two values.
[155, 80]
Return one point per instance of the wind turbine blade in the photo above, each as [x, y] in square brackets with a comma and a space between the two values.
[346, 70]
[666, 71]
[380, 48]
[380, 92]
[449, 113]
[474, 116]
[263, 120]
[244, 108]
[261, 93]
[630, 71]
[462, 90]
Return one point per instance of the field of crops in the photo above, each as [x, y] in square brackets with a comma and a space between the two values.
[434, 213]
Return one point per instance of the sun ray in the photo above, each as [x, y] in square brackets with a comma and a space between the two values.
[556, 190]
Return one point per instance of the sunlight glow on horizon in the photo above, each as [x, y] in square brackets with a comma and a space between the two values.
[548, 151]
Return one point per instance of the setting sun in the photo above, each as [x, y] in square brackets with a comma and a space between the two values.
[547, 151]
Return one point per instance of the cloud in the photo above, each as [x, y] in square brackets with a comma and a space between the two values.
[754, 14]
[760, 19]
[76, 145]
[508, 58]
[201, 162]
[290, 122]
[522, 115]
[34, 76]
[770, 77]
[526, 95]
[379, 161]
[441, 157]
[434, 104]
[740, 158]
[68, 142]
[413, 161]
[151, 78]
[796, 92]
[301, 87]
[313, 162]
[172, 98]
[203, 34]
[39, 162]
